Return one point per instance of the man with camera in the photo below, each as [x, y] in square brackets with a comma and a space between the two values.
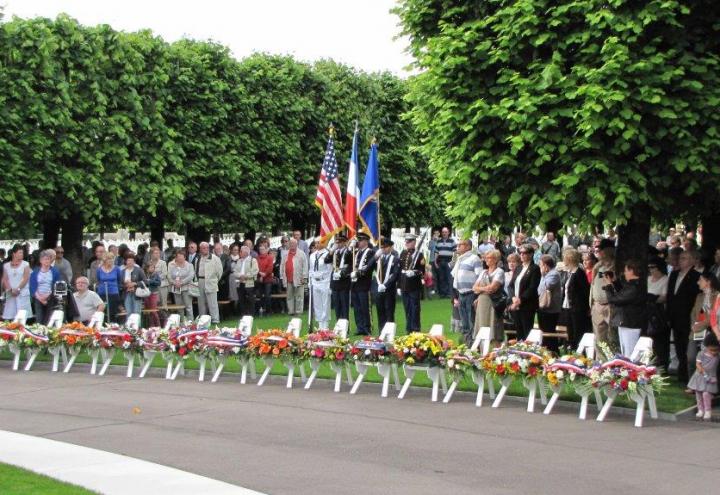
[599, 307]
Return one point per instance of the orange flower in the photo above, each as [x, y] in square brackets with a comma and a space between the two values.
[276, 352]
[264, 348]
[70, 339]
[283, 344]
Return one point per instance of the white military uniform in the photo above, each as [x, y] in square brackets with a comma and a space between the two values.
[320, 275]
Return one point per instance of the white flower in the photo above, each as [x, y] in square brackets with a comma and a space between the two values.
[367, 352]
[451, 363]
[560, 374]
[236, 350]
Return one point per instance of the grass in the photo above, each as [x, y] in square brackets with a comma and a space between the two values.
[672, 399]
[18, 481]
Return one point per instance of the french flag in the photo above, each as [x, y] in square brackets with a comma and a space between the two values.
[353, 191]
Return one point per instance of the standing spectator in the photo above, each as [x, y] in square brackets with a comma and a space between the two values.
[223, 284]
[280, 255]
[109, 281]
[42, 283]
[628, 305]
[525, 296]
[154, 281]
[180, 275]
[209, 271]
[589, 261]
[715, 268]
[682, 291]
[63, 265]
[361, 280]
[576, 298]
[15, 284]
[657, 284]
[704, 380]
[550, 285]
[506, 249]
[192, 253]
[302, 245]
[673, 259]
[444, 250]
[242, 280]
[162, 270]
[132, 277]
[87, 302]
[704, 315]
[169, 252]
[513, 262]
[98, 255]
[491, 297]
[320, 274]
[251, 247]
[466, 269]
[599, 308]
[432, 253]
[294, 275]
[551, 246]
[265, 262]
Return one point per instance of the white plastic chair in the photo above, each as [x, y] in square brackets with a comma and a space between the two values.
[535, 336]
[133, 321]
[587, 347]
[96, 322]
[641, 353]
[56, 320]
[245, 325]
[481, 342]
[435, 373]
[387, 335]
[293, 327]
[20, 317]
[58, 352]
[341, 330]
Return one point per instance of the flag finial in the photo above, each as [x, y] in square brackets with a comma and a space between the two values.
[331, 130]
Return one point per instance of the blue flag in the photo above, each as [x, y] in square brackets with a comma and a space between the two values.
[370, 197]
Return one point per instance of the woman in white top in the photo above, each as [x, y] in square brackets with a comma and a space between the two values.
[657, 284]
[15, 284]
[490, 281]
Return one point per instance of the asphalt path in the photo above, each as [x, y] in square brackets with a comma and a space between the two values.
[281, 441]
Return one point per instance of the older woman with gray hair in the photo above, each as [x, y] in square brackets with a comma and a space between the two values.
[491, 298]
[42, 283]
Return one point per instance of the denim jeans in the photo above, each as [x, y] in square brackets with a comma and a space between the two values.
[132, 304]
[467, 315]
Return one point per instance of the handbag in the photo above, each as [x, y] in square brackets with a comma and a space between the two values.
[545, 299]
[498, 299]
[194, 289]
[142, 291]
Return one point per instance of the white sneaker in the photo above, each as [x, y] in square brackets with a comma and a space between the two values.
[700, 413]
[707, 416]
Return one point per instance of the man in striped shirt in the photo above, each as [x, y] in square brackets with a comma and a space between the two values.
[466, 270]
[444, 250]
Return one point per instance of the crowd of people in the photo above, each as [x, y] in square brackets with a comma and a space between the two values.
[509, 284]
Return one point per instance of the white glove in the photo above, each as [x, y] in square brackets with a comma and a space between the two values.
[409, 273]
[381, 287]
[336, 275]
[353, 275]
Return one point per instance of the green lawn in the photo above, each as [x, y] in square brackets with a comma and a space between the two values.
[672, 399]
[18, 481]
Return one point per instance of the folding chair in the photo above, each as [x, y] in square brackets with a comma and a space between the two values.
[245, 326]
[341, 330]
[482, 342]
[534, 337]
[96, 322]
[587, 347]
[58, 352]
[294, 327]
[641, 353]
[32, 354]
[435, 373]
[151, 350]
[387, 335]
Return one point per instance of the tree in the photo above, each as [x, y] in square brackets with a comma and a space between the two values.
[593, 111]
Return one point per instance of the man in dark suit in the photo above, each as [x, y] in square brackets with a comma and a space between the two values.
[341, 259]
[387, 271]
[361, 279]
[412, 269]
[525, 282]
[681, 293]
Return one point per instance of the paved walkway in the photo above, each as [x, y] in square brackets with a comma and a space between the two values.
[105, 472]
[282, 441]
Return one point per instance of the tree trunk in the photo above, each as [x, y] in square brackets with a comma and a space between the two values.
[51, 232]
[710, 232]
[72, 241]
[633, 242]
[157, 229]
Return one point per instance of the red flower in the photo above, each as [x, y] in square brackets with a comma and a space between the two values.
[515, 367]
[532, 371]
[340, 355]
[624, 384]
[127, 337]
[182, 351]
[500, 370]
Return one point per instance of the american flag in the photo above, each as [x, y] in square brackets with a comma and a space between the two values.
[328, 197]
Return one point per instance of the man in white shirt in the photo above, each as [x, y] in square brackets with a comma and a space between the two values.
[86, 301]
[320, 275]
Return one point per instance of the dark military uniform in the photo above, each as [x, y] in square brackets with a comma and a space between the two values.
[341, 260]
[388, 273]
[411, 287]
[360, 288]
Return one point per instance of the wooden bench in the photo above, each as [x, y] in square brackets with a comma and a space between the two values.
[173, 308]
